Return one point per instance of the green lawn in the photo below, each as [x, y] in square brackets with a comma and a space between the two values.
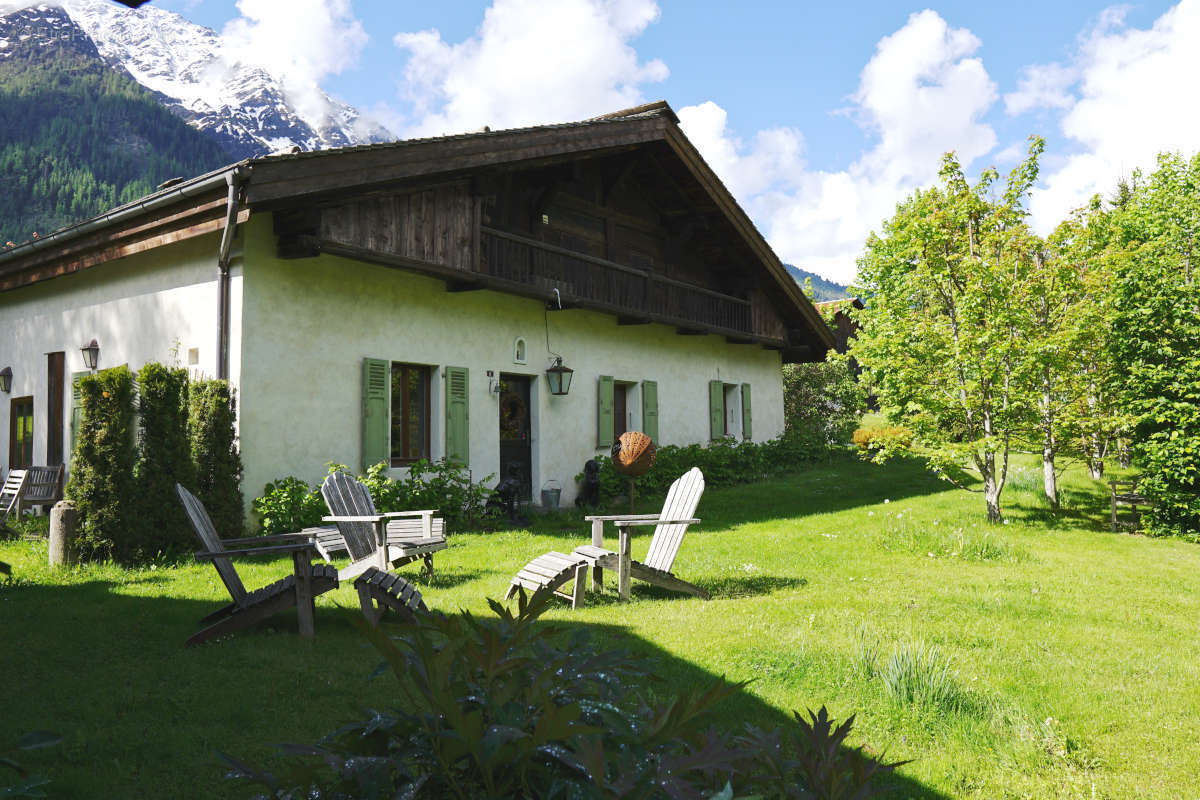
[1075, 650]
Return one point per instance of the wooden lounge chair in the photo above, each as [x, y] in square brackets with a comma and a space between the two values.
[11, 494]
[555, 569]
[373, 539]
[249, 608]
[380, 591]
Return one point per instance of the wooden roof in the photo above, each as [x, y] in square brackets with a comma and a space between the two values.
[196, 206]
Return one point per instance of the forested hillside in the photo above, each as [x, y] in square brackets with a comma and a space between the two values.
[821, 288]
[78, 137]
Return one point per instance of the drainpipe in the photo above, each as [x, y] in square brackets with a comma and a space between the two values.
[234, 179]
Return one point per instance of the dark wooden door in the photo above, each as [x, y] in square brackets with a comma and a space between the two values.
[20, 433]
[516, 451]
[55, 383]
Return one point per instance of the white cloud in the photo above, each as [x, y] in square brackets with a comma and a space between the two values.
[1135, 99]
[300, 42]
[921, 94]
[530, 62]
[1042, 86]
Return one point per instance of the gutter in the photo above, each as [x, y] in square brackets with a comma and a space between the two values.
[147, 204]
[235, 181]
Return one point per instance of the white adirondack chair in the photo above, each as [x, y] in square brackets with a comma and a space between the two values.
[11, 493]
[556, 569]
[373, 539]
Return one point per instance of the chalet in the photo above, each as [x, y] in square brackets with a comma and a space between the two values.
[844, 326]
[410, 300]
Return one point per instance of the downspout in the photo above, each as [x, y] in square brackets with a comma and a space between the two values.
[234, 179]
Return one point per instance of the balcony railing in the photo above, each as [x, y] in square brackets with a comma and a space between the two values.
[606, 284]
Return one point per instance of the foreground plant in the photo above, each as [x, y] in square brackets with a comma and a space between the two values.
[512, 707]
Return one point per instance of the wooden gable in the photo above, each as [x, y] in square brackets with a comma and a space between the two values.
[626, 229]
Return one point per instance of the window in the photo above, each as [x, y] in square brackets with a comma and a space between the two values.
[410, 413]
[620, 409]
[20, 433]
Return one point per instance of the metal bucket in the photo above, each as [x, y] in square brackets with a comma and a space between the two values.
[551, 495]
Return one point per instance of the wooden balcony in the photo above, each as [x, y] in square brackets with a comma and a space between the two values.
[635, 295]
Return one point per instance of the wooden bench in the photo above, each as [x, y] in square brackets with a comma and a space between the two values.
[1125, 493]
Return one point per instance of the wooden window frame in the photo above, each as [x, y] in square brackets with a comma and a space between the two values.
[13, 461]
[403, 410]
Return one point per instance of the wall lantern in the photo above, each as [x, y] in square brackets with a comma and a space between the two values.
[6, 380]
[559, 377]
[91, 354]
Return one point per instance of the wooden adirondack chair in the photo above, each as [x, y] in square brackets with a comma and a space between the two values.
[11, 494]
[372, 539]
[555, 569]
[249, 608]
[45, 486]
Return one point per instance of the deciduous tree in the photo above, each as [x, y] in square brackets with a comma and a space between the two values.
[945, 340]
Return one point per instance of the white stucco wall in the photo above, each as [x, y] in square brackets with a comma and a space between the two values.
[138, 308]
[309, 323]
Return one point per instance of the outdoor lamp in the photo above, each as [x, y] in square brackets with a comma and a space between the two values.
[559, 377]
[6, 380]
[91, 354]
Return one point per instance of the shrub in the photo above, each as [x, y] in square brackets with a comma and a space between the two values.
[725, 462]
[212, 415]
[431, 484]
[822, 400]
[883, 440]
[510, 707]
[164, 459]
[101, 484]
[919, 675]
[288, 505]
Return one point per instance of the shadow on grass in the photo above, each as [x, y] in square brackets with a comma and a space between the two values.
[444, 578]
[748, 586]
[821, 488]
[1077, 508]
[108, 671]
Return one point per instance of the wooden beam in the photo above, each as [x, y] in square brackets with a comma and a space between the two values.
[518, 288]
[627, 320]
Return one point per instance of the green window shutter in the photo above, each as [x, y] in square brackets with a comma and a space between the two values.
[458, 418]
[76, 408]
[746, 429]
[716, 409]
[650, 409]
[604, 411]
[376, 423]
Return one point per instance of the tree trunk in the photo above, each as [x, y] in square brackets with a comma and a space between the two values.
[1049, 477]
[991, 487]
[991, 493]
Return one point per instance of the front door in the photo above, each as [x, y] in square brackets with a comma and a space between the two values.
[516, 452]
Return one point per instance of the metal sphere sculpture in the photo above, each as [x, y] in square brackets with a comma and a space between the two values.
[633, 454]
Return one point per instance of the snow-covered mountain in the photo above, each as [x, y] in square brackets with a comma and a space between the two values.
[244, 108]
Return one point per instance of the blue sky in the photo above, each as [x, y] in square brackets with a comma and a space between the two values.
[819, 116]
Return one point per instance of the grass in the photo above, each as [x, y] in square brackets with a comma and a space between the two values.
[1045, 657]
